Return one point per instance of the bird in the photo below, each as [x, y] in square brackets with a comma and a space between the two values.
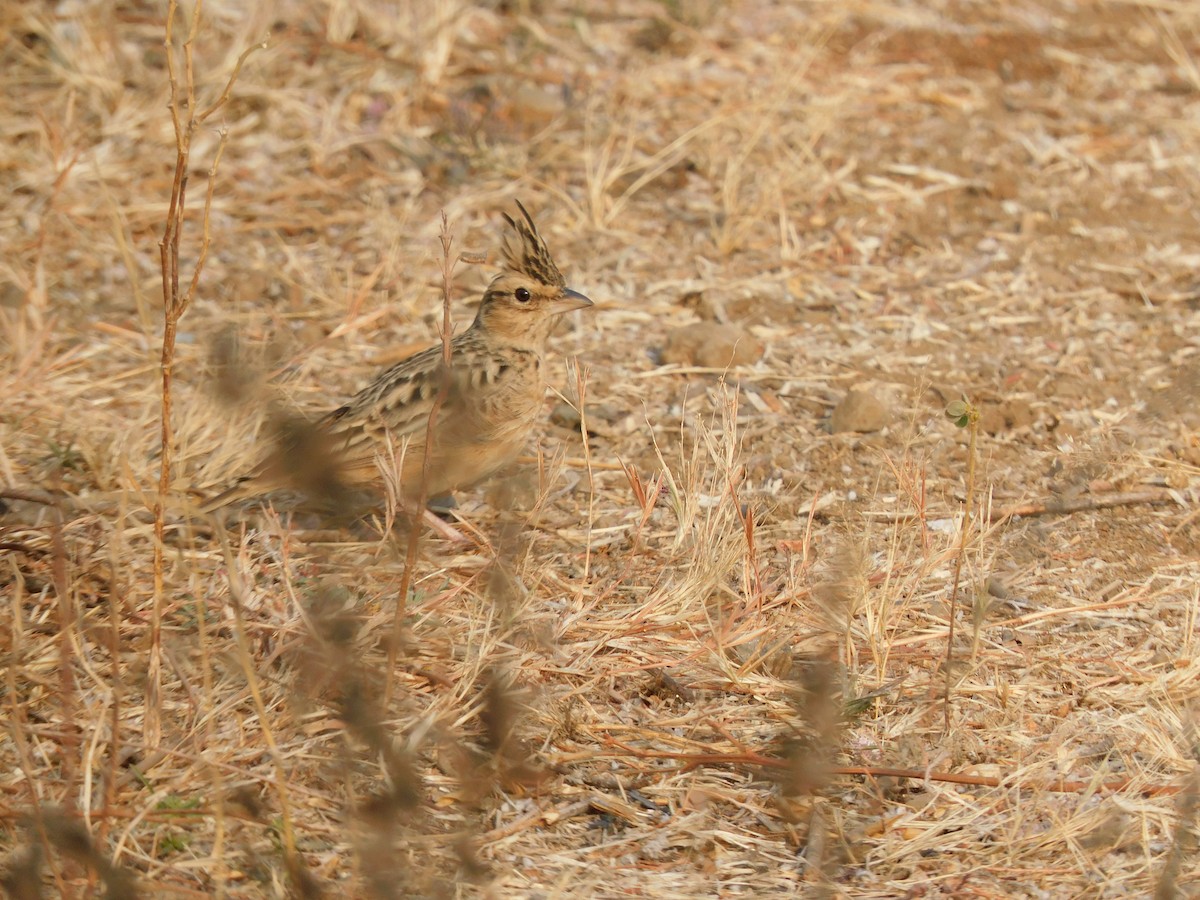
[492, 394]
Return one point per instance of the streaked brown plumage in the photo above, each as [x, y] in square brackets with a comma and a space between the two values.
[495, 392]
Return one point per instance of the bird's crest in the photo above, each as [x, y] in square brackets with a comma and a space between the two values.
[527, 254]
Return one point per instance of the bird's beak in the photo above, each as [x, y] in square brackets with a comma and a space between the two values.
[570, 300]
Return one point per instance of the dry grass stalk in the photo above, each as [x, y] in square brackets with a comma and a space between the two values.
[964, 411]
[446, 238]
[185, 118]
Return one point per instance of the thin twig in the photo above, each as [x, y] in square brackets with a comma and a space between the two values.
[972, 423]
[1086, 503]
[581, 379]
[175, 304]
[237, 593]
[18, 728]
[169, 262]
[1055, 507]
[751, 758]
[414, 535]
[116, 594]
[29, 496]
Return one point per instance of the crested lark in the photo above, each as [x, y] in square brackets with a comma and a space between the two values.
[494, 393]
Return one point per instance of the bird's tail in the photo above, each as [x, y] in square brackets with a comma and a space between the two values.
[242, 489]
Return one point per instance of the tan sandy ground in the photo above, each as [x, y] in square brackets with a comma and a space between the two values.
[697, 693]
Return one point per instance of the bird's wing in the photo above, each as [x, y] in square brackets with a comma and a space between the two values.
[397, 405]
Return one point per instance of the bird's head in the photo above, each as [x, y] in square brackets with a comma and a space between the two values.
[524, 300]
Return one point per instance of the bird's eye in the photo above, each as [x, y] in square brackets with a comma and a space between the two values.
[522, 295]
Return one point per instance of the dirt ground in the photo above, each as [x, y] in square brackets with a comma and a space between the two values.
[705, 653]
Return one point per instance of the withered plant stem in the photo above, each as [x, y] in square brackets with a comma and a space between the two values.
[446, 237]
[237, 596]
[964, 531]
[581, 380]
[185, 118]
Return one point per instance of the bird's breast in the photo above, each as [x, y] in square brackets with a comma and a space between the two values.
[511, 395]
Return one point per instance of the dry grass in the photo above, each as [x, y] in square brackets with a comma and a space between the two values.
[703, 654]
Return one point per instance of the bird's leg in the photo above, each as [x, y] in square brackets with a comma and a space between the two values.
[442, 505]
[444, 528]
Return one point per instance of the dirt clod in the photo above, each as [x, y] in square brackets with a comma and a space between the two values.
[712, 345]
[862, 410]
